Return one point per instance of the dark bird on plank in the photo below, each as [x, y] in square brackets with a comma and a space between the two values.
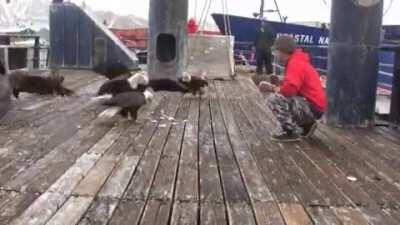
[129, 103]
[165, 84]
[22, 81]
[124, 84]
[140, 82]
[5, 91]
[194, 84]
[113, 70]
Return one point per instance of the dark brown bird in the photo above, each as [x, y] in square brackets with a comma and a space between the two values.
[22, 81]
[194, 84]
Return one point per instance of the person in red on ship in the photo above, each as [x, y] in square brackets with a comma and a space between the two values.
[192, 26]
[299, 100]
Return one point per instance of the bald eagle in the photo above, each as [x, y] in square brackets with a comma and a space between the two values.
[193, 83]
[140, 82]
[22, 81]
[123, 84]
[129, 103]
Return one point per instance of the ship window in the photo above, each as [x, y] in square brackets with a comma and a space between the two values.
[166, 47]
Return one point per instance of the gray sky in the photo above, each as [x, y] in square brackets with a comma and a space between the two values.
[296, 10]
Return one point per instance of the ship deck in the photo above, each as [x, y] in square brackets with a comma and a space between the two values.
[188, 160]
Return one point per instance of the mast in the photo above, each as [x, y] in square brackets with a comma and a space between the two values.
[278, 10]
[262, 9]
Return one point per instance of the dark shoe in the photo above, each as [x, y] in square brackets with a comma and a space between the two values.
[286, 137]
[308, 130]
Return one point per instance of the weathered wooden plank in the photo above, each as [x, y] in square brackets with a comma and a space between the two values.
[111, 193]
[268, 213]
[96, 177]
[187, 187]
[392, 213]
[351, 189]
[210, 184]
[240, 214]
[375, 216]
[14, 205]
[323, 216]
[303, 184]
[379, 156]
[35, 143]
[184, 214]
[213, 214]
[47, 204]
[389, 134]
[349, 216]
[143, 178]
[322, 182]
[294, 214]
[45, 171]
[100, 212]
[256, 187]
[159, 206]
[263, 152]
[71, 212]
[156, 212]
[127, 212]
[39, 117]
[119, 179]
[29, 99]
[233, 187]
[353, 166]
[148, 146]
[41, 210]
[164, 182]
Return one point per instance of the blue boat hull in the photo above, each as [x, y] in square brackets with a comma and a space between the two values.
[314, 40]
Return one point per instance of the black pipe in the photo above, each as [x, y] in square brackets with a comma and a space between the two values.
[353, 62]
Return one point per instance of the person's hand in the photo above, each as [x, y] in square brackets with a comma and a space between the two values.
[323, 81]
[266, 87]
[275, 80]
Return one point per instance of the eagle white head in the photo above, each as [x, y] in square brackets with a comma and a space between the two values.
[137, 79]
[148, 95]
[186, 77]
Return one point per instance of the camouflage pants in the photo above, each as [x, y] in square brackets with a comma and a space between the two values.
[292, 113]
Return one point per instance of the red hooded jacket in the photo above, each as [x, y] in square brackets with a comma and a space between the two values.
[301, 79]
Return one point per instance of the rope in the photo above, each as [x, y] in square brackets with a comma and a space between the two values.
[203, 24]
[389, 7]
[227, 30]
[203, 12]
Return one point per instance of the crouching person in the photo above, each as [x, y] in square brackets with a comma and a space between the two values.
[299, 101]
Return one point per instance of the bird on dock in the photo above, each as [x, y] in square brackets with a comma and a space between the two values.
[22, 81]
[127, 103]
[124, 84]
[195, 84]
[140, 82]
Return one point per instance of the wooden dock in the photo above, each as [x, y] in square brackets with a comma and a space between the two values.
[188, 160]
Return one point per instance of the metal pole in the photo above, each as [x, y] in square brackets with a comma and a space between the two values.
[262, 9]
[36, 54]
[353, 62]
[167, 50]
[395, 99]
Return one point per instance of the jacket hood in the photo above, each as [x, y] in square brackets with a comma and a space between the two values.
[300, 55]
